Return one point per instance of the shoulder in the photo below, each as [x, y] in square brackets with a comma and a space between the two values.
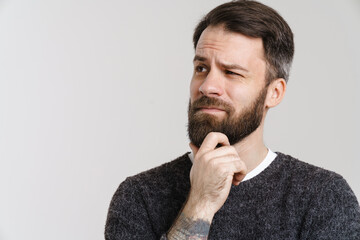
[315, 182]
[169, 171]
[158, 180]
[302, 171]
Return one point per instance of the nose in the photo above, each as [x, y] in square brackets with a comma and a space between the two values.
[212, 86]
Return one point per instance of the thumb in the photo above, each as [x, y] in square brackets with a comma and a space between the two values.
[194, 149]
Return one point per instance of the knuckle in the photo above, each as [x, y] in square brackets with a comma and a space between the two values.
[234, 157]
[241, 166]
[238, 164]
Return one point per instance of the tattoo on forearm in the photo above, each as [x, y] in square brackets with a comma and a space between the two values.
[186, 228]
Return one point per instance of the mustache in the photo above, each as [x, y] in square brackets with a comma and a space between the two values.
[205, 101]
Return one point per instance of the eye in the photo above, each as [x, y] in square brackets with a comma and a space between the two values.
[232, 73]
[200, 69]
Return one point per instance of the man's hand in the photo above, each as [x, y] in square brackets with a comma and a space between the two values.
[213, 172]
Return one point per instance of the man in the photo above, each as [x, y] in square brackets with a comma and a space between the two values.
[232, 186]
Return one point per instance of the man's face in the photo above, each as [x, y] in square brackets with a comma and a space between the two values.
[227, 91]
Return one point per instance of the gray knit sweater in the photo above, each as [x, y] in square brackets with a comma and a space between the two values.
[288, 200]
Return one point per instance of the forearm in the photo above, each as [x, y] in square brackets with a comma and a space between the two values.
[189, 228]
[193, 221]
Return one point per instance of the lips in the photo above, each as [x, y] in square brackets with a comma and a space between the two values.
[210, 109]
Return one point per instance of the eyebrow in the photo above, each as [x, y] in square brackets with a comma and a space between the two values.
[199, 58]
[224, 65]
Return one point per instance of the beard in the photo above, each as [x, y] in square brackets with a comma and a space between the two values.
[235, 126]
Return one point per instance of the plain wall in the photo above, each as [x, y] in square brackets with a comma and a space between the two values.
[94, 91]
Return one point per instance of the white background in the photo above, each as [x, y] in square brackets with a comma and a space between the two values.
[94, 91]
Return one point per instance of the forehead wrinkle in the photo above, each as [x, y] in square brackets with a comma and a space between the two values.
[212, 42]
[212, 46]
[208, 50]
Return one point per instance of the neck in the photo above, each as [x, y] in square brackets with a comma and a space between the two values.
[252, 149]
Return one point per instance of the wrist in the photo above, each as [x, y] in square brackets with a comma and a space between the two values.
[195, 209]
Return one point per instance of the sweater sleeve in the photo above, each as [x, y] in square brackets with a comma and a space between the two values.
[334, 214]
[127, 216]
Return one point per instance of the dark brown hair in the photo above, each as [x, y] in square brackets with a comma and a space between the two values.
[256, 20]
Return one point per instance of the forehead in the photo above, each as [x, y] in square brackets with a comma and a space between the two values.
[229, 45]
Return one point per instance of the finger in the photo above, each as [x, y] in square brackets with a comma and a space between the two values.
[231, 166]
[237, 167]
[238, 177]
[223, 152]
[212, 140]
[194, 149]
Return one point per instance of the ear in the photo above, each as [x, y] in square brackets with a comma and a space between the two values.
[275, 93]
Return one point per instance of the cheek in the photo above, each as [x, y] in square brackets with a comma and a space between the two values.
[240, 96]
